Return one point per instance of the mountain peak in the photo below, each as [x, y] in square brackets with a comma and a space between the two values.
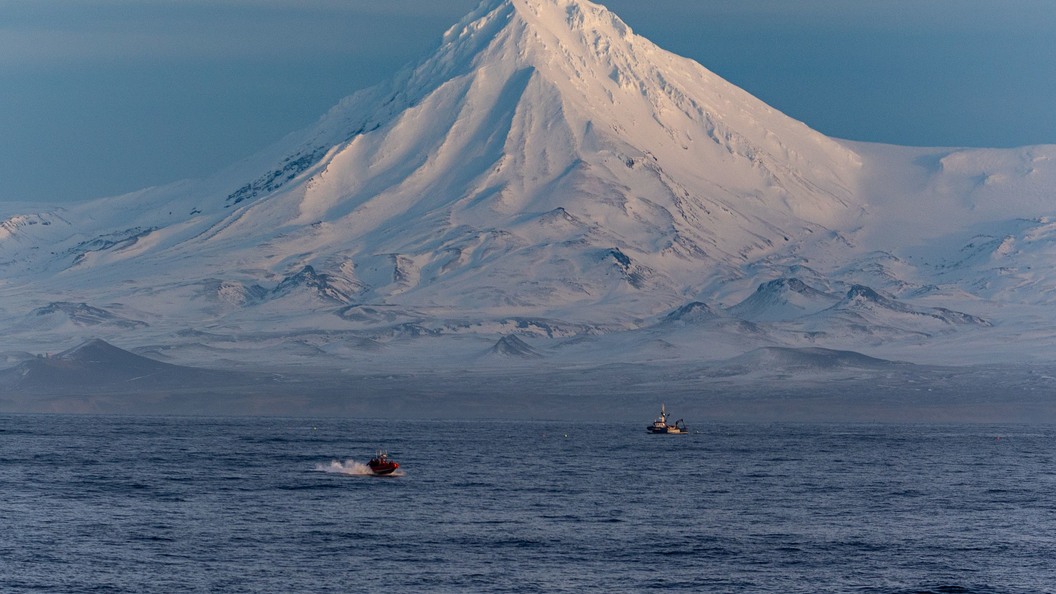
[552, 15]
[569, 12]
[562, 40]
[527, 106]
[782, 299]
[512, 347]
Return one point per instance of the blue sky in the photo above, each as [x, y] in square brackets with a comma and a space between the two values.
[100, 97]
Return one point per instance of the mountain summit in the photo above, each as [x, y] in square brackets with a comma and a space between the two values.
[544, 171]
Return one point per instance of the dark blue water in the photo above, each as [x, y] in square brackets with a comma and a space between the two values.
[122, 504]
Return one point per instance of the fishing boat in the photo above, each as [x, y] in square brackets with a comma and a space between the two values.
[381, 464]
[660, 425]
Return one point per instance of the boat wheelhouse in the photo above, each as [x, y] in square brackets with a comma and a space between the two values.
[660, 425]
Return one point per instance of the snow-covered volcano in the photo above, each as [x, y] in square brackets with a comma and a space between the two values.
[544, 173]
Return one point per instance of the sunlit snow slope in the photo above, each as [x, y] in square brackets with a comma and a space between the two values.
[549, 174]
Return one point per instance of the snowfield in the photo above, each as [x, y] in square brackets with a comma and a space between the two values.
[550, 191]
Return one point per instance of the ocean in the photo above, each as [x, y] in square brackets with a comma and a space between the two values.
[186, 504]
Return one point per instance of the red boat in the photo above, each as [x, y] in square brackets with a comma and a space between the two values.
[381, 464]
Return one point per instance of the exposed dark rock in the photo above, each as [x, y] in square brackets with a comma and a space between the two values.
[83, 314]
[291, 167]
[325, 285]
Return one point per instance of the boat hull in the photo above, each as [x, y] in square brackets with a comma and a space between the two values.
[666, 430]
[383, 468]
[380, 467]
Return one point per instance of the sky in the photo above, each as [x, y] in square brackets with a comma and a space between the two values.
[103, 97]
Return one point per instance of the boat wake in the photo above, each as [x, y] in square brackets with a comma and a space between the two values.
[346, 467]
[350, 467]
